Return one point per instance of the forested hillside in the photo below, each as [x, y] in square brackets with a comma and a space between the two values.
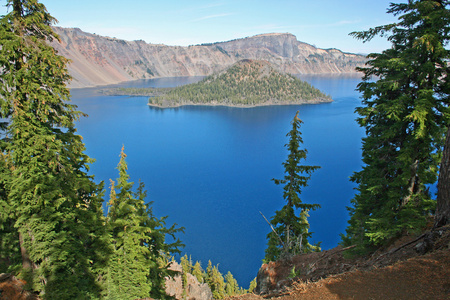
[246, 83]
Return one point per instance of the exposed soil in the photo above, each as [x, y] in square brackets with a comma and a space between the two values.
[426, 277]
[398, 272]
[12, 288]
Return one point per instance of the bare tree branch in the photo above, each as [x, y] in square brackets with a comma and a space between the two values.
[273, 229]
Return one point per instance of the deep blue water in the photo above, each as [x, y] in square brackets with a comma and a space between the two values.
[210, 168]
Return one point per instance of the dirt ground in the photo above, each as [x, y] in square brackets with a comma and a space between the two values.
[398, 272]
[12, 288]
[425, 277]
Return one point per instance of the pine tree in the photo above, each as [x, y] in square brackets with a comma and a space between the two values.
[10, 257]
[198, 272]
[252, 286]
[292, 232]
[215, 281]
[442, 217]
[55, 206]
[405, 114]
[231, 285]
[127, 269]
[186, 266]
[137, 266]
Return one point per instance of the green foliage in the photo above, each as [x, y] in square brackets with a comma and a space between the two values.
[245, 83]
[221, 287]
[127, 269]
[215, 281]
[53, 209]
[52, 228]
[231, 285]
[405, 114]
[292, 231]
[136, 268]
[293, 274]
[198, 272]
[186, 267]
[252, 286]
[10, 257]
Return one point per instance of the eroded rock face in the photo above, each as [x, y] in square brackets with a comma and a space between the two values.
[98, 60]
[194, 289]
[272, 276]
[265, 279]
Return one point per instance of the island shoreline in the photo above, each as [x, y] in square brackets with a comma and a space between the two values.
[239, 105]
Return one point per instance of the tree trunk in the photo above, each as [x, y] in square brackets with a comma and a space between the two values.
[26, 261]
[442, 216]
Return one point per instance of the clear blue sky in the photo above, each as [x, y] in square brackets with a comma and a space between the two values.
[323, 23]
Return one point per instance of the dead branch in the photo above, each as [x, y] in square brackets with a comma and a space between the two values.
[273, 229]
[340, 250]
[402, 246]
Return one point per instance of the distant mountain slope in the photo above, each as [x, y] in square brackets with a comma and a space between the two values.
[246, 83]
[98, 60]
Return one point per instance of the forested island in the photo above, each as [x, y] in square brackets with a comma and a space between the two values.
[247, 83]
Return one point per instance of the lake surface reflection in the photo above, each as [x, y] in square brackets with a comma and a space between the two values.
[210, 168]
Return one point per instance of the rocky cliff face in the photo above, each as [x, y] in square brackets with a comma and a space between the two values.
[193, 289]
[98, 60]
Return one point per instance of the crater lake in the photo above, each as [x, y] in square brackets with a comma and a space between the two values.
[210, 168]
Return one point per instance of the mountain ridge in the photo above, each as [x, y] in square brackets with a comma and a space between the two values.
[99, 60]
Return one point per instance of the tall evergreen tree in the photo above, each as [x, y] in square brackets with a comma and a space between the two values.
[127, 269]
[55, 205]
[10, 257]
[442, 217]
[136, 269]
[405, 114]
[292, 232]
